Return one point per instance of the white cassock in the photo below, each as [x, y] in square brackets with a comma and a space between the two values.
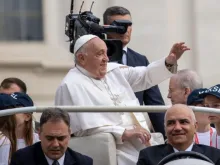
[116, 89]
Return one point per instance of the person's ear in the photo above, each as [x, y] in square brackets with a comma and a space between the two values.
[28, 116]
[196, 126]
[81, 59]
[187, 91]
[69, 130]
[165, 129]
[40, 133]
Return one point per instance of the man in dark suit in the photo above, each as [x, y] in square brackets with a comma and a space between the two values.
[151, 96]
[180, 127]
[53, 148]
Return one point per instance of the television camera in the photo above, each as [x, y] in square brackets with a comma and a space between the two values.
[86, 23]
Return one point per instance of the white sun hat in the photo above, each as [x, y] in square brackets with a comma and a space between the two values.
[82, 40]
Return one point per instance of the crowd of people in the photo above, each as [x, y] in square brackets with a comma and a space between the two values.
[94, 81]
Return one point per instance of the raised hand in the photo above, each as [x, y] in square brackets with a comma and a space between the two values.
[176, 52]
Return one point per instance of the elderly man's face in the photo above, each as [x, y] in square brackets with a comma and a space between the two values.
[180, 127]
[96, 59]
[176, 94]
[213, 102]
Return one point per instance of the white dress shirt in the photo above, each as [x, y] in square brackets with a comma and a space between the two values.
[188, 149]
[61, 160]
[124, 56]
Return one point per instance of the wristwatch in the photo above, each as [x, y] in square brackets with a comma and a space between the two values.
[171, 67]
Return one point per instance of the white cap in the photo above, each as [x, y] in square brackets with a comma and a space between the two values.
[82, 40]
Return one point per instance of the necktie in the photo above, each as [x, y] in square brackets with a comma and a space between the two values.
[124, 58]
[55, 162]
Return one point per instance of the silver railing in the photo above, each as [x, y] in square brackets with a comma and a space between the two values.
[40, 109]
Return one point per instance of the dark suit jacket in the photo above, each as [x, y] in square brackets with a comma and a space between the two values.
[153, 155]
[33, 155]
[150, 96]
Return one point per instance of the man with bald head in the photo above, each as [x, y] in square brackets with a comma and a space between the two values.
[180, 127]
[95, 82]
[182, 84]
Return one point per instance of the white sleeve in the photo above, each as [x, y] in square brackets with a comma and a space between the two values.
[63, 97]
[4, 151]
[142, 78]
[116, 131]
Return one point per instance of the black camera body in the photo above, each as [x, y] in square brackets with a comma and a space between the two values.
[86, 23]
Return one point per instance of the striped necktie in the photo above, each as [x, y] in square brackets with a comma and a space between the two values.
[55, 162]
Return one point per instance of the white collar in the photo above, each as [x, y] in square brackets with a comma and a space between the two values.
[61, 160]
[188, 149]
[110, 66]
[125, 48]
[85, 72]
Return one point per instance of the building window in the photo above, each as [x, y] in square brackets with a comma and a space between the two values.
[21, 20]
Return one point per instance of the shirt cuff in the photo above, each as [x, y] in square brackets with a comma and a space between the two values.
[171, 67]
[117, 133]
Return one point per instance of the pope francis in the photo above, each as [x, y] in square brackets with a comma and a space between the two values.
[95, 82]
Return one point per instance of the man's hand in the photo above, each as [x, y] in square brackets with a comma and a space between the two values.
[176, 52]
[137, 132]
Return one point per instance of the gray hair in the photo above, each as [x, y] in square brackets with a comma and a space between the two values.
[184, 108]
[54, 115]
[114, 10]
[82, 50]
[189, 79]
